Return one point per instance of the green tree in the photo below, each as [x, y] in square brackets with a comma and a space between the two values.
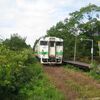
[88, 24]
[16, 42]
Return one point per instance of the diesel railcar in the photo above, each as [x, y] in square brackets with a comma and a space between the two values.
[49, 50]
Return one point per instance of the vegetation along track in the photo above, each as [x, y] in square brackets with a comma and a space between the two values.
[73, 84]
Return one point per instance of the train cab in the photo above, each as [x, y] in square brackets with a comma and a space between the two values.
[50, 50]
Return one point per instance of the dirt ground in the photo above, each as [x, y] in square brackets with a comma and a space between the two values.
[74, 85]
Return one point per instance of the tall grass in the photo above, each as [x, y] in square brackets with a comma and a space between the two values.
[95, 71]
[82, 83]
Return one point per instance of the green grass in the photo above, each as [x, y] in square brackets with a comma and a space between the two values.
[40, 88]
[44, 89]
[94, 71]
[83, 91]
[94, 75]
[73, 68]
[83, 88]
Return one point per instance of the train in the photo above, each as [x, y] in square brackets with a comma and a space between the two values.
[49, 50]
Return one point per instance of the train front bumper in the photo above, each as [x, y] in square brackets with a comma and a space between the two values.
[51, 61]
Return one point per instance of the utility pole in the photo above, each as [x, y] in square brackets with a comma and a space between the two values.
[75, 48]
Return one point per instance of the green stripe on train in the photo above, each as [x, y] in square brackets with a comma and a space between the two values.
[45, 53]
[41, 53]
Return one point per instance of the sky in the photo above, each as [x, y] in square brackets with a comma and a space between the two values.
[32, 18]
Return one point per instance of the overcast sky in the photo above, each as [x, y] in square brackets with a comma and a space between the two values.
[32, 18]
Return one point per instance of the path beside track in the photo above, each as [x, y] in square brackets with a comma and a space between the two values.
[73, 84]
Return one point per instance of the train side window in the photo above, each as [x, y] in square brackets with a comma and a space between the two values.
[59, 43]
[43, 42]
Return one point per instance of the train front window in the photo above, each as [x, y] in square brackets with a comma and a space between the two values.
[59, 43]
[51, 43]
[43, 42]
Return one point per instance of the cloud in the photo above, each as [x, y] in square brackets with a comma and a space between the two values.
[7, 13]
[32, 18]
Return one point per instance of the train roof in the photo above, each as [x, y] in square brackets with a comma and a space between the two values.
[51, 38]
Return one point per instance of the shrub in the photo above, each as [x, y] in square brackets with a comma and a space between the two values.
[22, 78]
[95, 71]
[17, 70]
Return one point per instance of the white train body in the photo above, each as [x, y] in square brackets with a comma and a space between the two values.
[49, 50]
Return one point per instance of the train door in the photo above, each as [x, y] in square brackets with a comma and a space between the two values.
[52, 49]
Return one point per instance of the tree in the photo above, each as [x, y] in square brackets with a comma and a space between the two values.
[87, 20]
[16, 42]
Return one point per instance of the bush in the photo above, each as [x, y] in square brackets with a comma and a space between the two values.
[95, 71]
[16, 42]
[22, 78]
[16, 71]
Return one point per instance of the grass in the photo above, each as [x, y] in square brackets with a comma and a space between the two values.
[72, 68]
[95, 71]
[85, 88]
[45, 90]
[83, 91]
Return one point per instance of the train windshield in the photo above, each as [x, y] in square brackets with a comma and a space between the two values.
[43, 42]
[51, 43]
[59, 43]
